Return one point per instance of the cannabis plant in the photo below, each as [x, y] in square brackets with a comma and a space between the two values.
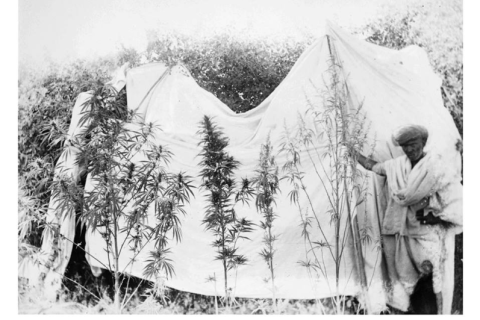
[266, 185]
[336, 128]
[124, 189]
[218, 180]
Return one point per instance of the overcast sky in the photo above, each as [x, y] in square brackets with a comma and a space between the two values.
[66, 29]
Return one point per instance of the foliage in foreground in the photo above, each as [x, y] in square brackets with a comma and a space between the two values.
[177, 302]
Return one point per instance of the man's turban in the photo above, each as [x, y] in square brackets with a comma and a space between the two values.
[409, 132]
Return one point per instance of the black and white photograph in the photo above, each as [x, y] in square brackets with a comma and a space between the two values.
[289, 157]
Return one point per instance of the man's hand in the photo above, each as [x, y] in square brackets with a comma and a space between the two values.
[348, 150]
[459, 146]
[429, 219]
[352, 152]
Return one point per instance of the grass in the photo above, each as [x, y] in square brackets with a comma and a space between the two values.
[176, 302]
[75, 300]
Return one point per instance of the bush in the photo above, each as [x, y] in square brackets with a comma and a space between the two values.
[241, 73]
[437, 27]
[45, 109]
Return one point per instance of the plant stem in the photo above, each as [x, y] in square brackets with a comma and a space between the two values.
[224, 260]
[270, 264]
[226, 284]
[131, 296]
[216, 302]
[116, 257]
[78, 284]
[78, 246]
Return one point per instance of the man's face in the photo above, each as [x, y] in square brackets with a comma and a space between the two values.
[413, 149]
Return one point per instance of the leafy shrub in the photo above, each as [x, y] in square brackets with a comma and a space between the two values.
[241, 73]
[437, 27]
[45, 109]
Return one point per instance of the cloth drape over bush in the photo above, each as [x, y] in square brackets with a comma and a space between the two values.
[394, 87]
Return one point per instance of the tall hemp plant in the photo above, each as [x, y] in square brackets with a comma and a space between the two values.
[124, 189]
[337, 128]
[217, 176]
[266, 184]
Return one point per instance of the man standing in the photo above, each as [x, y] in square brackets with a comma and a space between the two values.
[423, 213]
